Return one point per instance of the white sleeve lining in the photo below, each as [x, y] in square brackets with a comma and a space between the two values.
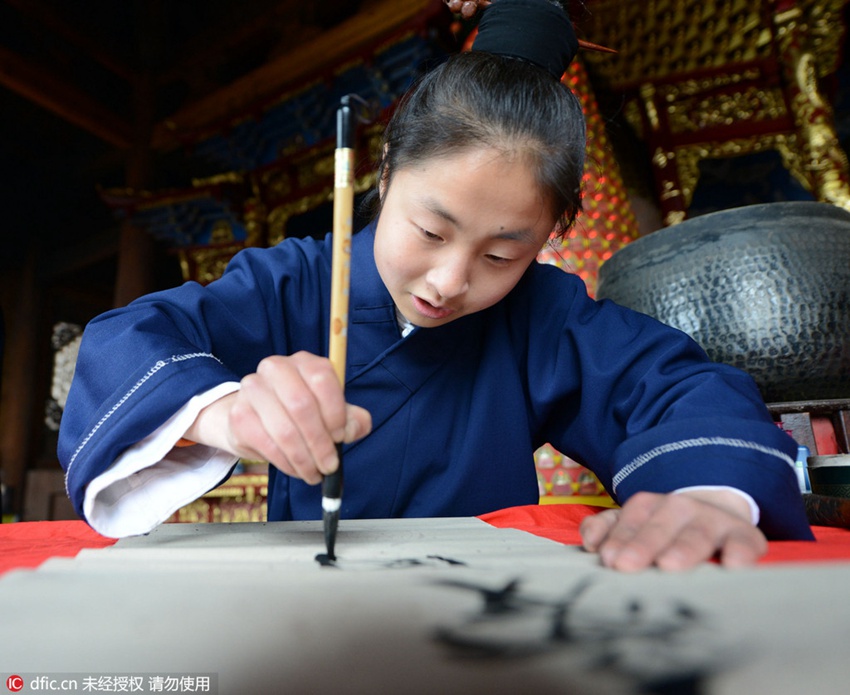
[152, 479]
[755, 512]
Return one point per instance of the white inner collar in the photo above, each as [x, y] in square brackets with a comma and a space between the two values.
[404, 325]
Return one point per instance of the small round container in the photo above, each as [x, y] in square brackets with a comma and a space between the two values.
[830, 475]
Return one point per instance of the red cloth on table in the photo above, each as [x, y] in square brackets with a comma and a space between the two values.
[560, 522]
[28, 544]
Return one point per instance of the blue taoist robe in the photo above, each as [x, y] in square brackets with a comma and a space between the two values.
[457, 410]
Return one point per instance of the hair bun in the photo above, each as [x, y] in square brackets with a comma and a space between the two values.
[538, 31]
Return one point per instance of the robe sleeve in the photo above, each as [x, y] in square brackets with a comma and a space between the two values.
[153, 479]
[642, 405]
[140, 364]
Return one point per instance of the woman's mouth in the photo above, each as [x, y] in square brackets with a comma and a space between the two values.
[429, 310]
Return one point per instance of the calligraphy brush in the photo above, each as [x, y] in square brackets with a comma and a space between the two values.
[343, 212]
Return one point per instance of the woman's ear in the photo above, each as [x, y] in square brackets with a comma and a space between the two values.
[383, 182]
[383, 174]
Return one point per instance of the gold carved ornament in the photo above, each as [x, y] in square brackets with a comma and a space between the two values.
[807, 39]
[242, 498]
[809, 42]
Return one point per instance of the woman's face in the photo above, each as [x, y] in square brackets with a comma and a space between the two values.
[456, 233]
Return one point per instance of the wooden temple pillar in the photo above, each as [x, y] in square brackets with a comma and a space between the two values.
[135, 264]
[135, 269]
[21, 298]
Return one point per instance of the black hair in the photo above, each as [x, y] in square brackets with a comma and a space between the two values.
[481, 99]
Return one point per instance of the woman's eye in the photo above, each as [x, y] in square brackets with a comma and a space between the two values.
[498, 260]
[430, 235]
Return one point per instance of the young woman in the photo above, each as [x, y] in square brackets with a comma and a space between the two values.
[464, 355]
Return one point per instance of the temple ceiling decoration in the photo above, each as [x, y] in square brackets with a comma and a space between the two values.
[223, 91]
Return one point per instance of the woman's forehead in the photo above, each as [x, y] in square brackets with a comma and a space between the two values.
[467, 187]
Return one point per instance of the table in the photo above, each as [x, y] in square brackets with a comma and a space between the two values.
[28, 544]
[494, 604]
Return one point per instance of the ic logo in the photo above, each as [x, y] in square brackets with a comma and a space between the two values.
[15, 683]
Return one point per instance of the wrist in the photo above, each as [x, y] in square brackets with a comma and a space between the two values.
[730, 500]
[210, 424]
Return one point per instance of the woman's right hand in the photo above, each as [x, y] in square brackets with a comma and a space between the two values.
[290, 412]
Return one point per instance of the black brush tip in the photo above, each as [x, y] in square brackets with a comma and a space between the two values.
[330, 520]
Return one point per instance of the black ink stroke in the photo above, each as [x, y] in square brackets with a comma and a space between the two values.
[326, 560]
[492, 632]
[397, 563]
[512, 624]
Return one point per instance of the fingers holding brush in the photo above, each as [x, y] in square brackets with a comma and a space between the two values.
[291, 412]
[302, 410]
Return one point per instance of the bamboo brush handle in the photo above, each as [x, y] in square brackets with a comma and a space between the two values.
[343, 213]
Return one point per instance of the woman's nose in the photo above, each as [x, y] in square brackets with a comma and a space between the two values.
[450, 278]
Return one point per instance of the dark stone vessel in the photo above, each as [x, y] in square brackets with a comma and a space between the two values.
[765, 288]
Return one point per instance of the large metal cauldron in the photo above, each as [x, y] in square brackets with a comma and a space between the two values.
[765, 288]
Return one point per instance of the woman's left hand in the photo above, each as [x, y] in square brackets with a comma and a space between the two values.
[675, 531]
